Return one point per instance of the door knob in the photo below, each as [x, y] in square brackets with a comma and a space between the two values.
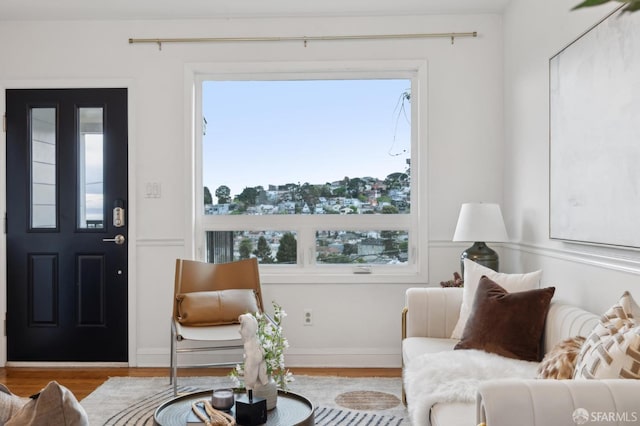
[118, 239]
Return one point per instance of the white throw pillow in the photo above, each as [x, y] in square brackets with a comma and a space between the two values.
[510, 282]
[611, 349]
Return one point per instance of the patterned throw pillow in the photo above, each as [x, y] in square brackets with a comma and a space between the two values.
[612, 350]
[560, 362]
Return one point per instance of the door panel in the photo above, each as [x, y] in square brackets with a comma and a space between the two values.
[66, 276]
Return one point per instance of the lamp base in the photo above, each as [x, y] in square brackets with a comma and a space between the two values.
[481, 254]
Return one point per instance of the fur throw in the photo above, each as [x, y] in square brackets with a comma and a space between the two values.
[560, 361]
[454, 376]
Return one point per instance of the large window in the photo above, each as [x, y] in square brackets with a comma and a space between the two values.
[309, 175]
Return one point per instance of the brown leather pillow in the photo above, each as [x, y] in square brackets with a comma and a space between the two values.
[507, 324]
[202, 308]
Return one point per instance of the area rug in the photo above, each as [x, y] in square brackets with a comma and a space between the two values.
[337, 400]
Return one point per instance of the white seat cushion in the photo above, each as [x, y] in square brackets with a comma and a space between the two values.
[222, 333]
[413, 347]
[453, 414]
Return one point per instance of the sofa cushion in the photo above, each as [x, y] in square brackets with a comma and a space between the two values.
[413, 347]
[507, 324]
[565, 321]
[612, 349]
[453, 414]
[560, 362]
[472, 274]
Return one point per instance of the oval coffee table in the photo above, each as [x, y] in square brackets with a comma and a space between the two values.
[292, 410]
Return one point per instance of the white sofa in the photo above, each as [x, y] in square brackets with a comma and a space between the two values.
[428, 319]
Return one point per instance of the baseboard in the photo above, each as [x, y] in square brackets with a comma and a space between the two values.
[320, 358]
[37, 364]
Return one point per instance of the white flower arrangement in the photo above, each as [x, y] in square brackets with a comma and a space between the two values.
[273, 345]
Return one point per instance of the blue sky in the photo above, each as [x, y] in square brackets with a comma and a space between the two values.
[316, 131]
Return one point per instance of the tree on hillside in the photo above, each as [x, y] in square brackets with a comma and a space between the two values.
[263, 252]
[389, 210]
[391, 247]
[287, 251]
[223, 193]
[246, 246]
[396, 180]
[248, 196]
[355, 187]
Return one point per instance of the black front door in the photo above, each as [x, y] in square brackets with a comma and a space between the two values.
[67, 225]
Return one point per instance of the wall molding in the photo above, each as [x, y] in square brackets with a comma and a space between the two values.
[627, 261]
[160, 242]
[612, 258]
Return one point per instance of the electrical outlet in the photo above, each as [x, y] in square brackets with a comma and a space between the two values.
[308, 317]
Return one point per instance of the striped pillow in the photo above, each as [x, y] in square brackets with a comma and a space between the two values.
[612, 349]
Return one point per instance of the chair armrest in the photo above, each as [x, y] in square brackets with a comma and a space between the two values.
[556, 402]
[431, 311]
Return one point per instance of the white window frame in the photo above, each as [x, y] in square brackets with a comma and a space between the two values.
[307, 271]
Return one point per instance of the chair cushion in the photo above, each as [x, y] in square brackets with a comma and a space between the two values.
[507, 324]
[205, 308]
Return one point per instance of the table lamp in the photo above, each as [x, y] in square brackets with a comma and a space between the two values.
[480, 222]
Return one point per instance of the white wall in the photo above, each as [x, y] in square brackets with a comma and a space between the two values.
[354, 324]
[593, 277]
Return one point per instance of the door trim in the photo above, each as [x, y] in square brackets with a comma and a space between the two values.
[131, 204]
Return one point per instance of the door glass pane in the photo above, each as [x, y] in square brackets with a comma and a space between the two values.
[43, 168]
[90, 169]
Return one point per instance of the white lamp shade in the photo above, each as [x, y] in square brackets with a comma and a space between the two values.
[480, 222]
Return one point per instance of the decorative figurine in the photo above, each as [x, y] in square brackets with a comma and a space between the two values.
[255, 368]
[252, 411]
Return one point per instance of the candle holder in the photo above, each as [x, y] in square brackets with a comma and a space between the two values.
[222, 399]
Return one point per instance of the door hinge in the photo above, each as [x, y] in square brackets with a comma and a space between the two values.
[4, 123]
[4, 222]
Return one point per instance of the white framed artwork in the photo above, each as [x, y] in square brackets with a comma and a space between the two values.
[594, 135]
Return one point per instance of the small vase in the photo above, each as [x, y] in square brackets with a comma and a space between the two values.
[268, 392]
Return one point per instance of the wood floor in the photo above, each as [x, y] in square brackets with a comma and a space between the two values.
[26, 381]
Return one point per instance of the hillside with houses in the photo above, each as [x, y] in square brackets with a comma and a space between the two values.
[364, 195]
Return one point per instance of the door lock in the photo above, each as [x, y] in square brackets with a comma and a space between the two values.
[118, 239]
[118, 213]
